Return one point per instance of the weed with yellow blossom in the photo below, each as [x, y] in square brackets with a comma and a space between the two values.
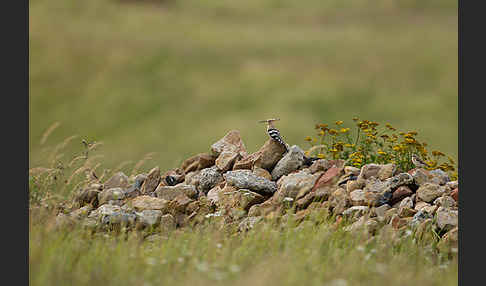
[374, 143]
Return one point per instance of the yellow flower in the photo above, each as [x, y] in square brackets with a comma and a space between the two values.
[349, 145]
[307, 153]
[396, 148]
[357, 164]
[321, 156]
[308, 139]
[333, 131]
[322, 132]
[410, 141]
[355, 118]
[333, 150]
[437, 153]
[339, 122]
[381, 152]
[344, 130]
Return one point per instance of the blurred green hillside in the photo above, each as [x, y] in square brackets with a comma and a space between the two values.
[173, 77]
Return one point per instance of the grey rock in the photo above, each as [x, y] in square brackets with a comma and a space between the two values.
[119, 218]
[208, 178]
[249, 223]
[245, 179]
[290, 162]
[406, 203]
[149, 218]
[399, 180]
[81, 212]
[357, 197]
[380, 211]
[111, 194]
[376, 186]
[445, 201]
[349, 170]
[452, 184]
[167, 223]
[446, 219]
[355, 212]
[419, 217]
[104, 210]
[339, 200]
[439, 177]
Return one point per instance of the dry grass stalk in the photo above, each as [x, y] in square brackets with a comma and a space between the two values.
[48, 132]
[147, 157]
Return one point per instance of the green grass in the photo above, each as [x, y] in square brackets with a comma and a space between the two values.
[267, 255]
[173, 77]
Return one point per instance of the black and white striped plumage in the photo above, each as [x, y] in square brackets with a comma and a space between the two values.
[275, 135]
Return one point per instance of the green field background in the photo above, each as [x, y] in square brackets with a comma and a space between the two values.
[173, 77]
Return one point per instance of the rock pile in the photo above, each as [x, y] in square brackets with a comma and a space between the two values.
[231, 187]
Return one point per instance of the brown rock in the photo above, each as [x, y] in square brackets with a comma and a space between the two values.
[339, 200]
[428, 192]
[232, 198]
[179, 204]
[262, 209]
[231, 142]
[226, 160]
[370, 170]
[324, 165]
[267, 157]
[167, 223]
[118, 180]
[143, 202]
[455, 194]
[449, 240]
[171, 192]
[262, 173]
[213, 194]
[421, 205]
[198, 162]
[354, 185]
[87, 196]
[406, 212]
[397, 222]
[400, 193]
[177, 174]
[386, 171]
[152, 181]
[349, 170]
[357, 197]
[295, 186]
[328, 179]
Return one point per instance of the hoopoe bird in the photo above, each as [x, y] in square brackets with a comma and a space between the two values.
[274, 133]
[418, 162]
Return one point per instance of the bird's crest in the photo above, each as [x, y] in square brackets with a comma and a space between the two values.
[269, 120]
